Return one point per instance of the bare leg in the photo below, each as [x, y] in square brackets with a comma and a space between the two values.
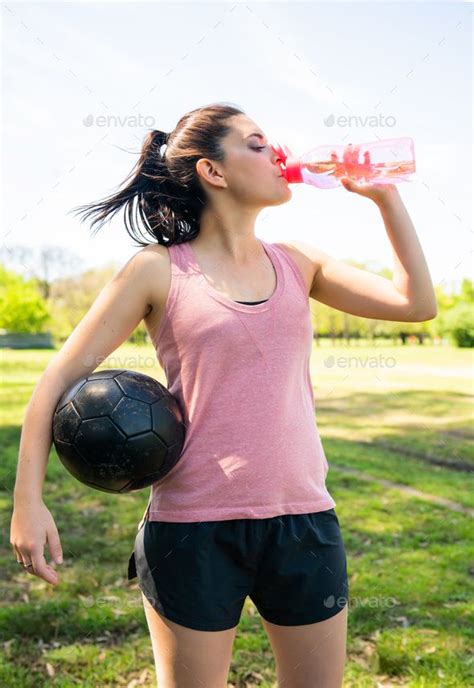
[186, 658]
[310, 656]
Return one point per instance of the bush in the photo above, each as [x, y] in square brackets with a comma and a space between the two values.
[459, 323]
[22, 308]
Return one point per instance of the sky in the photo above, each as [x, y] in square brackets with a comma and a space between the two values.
[83, 82]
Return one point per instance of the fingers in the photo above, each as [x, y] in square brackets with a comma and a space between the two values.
[347, 184]
[54, 546]
[23, 559]
[17, 554]
[42, 569]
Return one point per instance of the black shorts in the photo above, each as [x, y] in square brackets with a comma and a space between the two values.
[293, 567]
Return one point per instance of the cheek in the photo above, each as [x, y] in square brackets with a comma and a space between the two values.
[250, 178]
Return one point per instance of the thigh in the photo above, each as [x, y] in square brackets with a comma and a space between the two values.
[186, 658]
[310, 655]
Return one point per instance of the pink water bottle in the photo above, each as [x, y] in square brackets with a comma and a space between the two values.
[387, 161]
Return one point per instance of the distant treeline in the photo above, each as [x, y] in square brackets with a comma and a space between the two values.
[35, 305]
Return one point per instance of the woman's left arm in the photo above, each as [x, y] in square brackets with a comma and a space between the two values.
[408, 297]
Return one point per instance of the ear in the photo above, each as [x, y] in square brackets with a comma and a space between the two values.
[208, 172]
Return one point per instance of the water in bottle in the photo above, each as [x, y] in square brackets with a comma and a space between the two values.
[387, 161]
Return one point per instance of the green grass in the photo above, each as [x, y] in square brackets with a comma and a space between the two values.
[405, 418]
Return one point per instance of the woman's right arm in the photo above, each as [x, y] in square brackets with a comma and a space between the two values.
[114, 315]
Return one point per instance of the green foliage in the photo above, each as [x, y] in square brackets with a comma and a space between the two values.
[139, 335]
[22, 308]
[467, 291]
[72, 297]
[455, 315]
[455, 319]
[459, 323]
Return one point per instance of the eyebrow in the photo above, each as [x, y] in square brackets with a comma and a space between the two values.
[255, 134]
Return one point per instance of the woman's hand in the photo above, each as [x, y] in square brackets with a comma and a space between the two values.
[31, 527]
[376, 192]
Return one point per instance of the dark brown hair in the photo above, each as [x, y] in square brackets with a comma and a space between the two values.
[163, 190]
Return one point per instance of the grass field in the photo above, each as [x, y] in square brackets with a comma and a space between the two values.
[398, 414]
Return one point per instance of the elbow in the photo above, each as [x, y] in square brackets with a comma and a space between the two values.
[422, 309]
[432, 311]
[429, 316]
[422, 315]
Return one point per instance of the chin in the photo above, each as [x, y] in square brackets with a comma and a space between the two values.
[284, 197]
[276, 201]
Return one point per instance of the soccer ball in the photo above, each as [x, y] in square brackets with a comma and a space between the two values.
[118, 430]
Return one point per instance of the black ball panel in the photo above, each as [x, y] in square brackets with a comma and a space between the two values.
[139, 386]
[97, 398]
[70, 393]
[106, 374]
[73, 460]
[140, 483]
[147, 452]
[99, 440]
[68, 421]
[166, 422]
[132, 416]
[174, 408]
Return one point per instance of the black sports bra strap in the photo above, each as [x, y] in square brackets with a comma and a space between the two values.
[251, 303]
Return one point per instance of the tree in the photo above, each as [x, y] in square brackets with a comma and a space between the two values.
[71, 297]
[45, 263]
[22, 308]
[455, 314]
[459, 323]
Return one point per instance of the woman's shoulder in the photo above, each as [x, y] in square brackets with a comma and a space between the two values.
[303, 249]
[303, 255]
[155, 250]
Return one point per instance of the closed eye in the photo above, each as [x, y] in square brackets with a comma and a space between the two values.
[258, 147]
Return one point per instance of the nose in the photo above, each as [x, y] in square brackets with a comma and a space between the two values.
[276, 155]
[277, 158]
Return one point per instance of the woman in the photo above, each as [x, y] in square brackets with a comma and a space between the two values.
[246, 510]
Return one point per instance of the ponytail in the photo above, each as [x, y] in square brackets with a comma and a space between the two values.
[163, 198]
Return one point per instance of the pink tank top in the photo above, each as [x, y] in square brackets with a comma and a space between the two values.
[241, 374]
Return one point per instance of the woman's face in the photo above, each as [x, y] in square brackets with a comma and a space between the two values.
[251, 169]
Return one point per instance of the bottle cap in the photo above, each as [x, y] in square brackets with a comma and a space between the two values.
[292, 166]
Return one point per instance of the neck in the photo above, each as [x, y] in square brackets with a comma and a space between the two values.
[229, 233]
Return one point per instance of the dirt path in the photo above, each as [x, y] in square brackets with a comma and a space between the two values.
[453, 506]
